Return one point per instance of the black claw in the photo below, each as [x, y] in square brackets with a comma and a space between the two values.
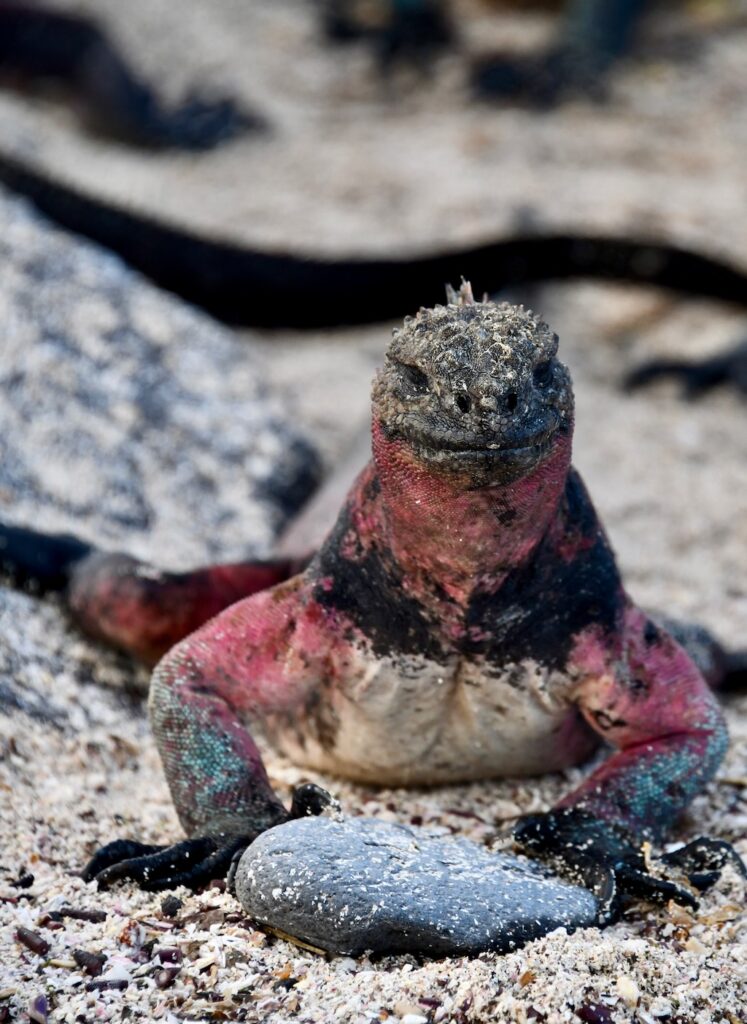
[232, 868]
[601, 857]
[216, 866]
[310, 799]
[702, 857]
[193, 862]
[197, 861]
[149, 866]
[114, 853]
[641, 885]
[703, 880]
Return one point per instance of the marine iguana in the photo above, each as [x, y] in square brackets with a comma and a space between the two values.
[397, 31]
[39, 44]
[229, 280]
[592, 36]
[464, 619]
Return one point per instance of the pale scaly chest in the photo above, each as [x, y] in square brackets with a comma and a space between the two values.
[408, 720]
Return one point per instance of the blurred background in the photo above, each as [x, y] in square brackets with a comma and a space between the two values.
[403, 127]
[340, 129]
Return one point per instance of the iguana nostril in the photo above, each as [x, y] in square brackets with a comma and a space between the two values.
[463, 403]
[512, 400]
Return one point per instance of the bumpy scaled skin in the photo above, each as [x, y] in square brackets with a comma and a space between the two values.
[464, 619]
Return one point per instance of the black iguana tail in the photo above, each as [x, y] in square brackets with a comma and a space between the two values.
[245, 286]
[37, 561]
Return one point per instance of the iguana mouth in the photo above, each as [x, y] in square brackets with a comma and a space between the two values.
[486, 450]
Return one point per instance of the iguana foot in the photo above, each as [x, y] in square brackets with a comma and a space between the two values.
[39, 562]
[729, 367]
[604, 859]
[540, 81]
[193, 862]
[507, 78]
[702, 860]
[408, 33]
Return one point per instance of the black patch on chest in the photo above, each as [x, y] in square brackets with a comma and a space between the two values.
[368, 589]
[543, 604]
[535, 614]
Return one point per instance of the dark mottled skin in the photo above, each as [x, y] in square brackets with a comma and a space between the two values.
[591, 37]
[40, 44]
[464, 619]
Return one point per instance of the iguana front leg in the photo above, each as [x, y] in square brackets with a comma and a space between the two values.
[259, 659]
[645, 696]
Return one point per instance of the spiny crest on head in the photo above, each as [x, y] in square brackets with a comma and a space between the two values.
[492, 327]
[463, 297]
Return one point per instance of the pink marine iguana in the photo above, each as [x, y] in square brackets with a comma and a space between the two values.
[464, 619]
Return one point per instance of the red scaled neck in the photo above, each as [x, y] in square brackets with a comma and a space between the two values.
[450, 540]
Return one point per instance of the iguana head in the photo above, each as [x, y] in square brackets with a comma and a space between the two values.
[475, 388]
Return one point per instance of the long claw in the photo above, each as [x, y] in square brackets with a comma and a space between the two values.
[193, 862]
[152, 867]
[704, 856]
[114, 853]
[606, 861]
[658, 890]
[309, 800]
[217, 865]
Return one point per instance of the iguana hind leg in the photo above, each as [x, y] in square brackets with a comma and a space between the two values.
[126, 602]
[46, 44]
[698, 376]
[144, 611]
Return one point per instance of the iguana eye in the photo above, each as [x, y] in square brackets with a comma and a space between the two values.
[543, 374]
[414, 377]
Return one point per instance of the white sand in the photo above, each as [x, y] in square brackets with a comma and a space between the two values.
[348, 171]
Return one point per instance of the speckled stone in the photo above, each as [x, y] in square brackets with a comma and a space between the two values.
[360, 884]
[130, 418]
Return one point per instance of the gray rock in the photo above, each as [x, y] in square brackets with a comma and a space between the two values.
[360, 884]
[128, 417]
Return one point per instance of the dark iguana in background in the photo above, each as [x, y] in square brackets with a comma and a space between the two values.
[38, 44]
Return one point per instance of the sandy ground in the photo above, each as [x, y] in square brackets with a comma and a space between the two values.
[348, 168]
